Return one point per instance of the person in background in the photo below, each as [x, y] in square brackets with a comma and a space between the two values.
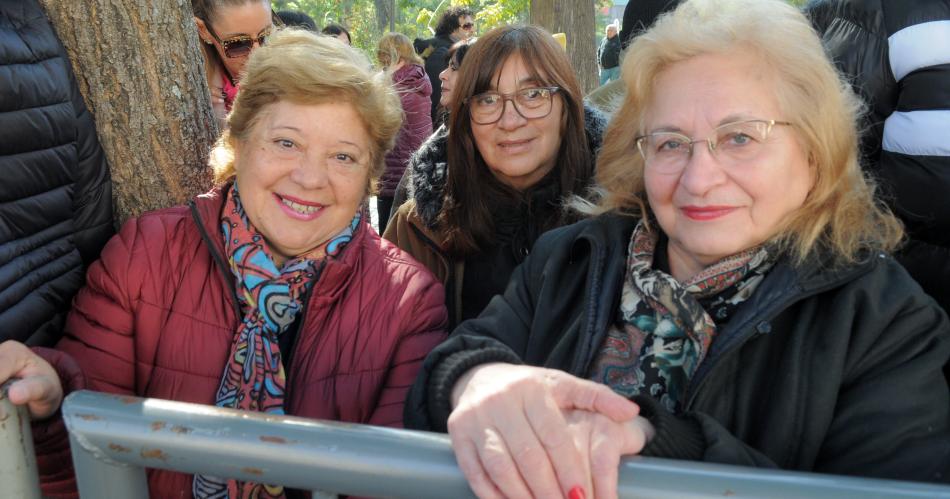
[338, 31]
[637, 17]
[433, 150]
[273, 279]
[608, 55]
[397, 57]
[229, 30]
[56, 212]
[519, 142]
[296, 19]
[889, 50]
[731, 301]
[455, 23]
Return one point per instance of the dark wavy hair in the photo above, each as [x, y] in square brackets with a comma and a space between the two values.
[336, 30]
[471, 189]
[449, 21]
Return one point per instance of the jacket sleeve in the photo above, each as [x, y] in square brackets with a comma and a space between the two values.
[99, 329]
[499, 334]
[423, 322]
[50, 437]
[891, 417]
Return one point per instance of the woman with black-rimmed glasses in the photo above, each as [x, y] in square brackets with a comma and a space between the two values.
[229, 30]
[731, 299]
[519, 142]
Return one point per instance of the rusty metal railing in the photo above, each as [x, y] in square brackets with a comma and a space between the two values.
[18, 476]
[115, 438]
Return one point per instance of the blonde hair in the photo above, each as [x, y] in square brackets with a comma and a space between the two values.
[840, 213]
[305, 68]
[395, 46]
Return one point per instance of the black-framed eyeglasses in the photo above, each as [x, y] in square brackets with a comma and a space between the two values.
[732, 144]
[531, 103]
[241, 45]
[468, 26]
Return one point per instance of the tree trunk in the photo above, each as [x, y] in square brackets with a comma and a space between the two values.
[575, 19]
[384, 15]
[141, 72]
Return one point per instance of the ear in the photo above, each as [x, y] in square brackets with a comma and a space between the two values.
[203, 31]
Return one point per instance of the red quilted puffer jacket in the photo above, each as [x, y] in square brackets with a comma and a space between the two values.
[157, 314]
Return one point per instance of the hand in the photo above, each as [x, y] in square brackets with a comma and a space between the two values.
[601, 442]
[510, 435]
[38, 388]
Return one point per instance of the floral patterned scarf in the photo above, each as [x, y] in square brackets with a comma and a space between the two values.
[664, 328]
[271, 298]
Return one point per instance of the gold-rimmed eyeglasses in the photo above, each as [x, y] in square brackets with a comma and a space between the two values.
[531, 103]
[732, 143]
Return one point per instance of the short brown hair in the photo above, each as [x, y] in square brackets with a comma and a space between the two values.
[840, 213]
[301, 67]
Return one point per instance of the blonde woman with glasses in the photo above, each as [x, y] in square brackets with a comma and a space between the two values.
[732, 301]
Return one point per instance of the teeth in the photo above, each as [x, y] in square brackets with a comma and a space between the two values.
[299, 208]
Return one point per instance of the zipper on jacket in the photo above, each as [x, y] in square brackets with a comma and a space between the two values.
[293, 345]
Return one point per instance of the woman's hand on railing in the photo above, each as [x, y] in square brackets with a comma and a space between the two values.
[38, 388]
[522, 431]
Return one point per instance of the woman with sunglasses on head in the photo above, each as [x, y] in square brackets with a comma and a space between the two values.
[731, 301]
[271, 293]
[519, 142]
[229, 30]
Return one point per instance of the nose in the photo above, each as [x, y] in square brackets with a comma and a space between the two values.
[510, 117]
[702, 172]
[444, 75]
[310, 174]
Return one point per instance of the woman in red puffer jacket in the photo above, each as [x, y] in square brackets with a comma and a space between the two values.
[270, 280]
[396, 54]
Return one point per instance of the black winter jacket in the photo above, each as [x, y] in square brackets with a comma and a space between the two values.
[55, 193]
[834, 371]
[608, 54]
[891, 51]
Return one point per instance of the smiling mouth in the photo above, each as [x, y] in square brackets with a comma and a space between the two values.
[299, 207]
[514, 143]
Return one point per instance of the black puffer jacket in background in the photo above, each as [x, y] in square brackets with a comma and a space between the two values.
[55, 192]
[897, 57]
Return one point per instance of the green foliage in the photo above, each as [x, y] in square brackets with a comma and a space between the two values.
[417, 18]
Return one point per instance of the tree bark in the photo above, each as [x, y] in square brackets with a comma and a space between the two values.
[384, 15]
[577, 20]
[141, 72]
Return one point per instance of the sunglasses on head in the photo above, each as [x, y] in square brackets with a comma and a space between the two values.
[240, 45]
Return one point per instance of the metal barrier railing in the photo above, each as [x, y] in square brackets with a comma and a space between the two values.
[18, 474]
[114, 438]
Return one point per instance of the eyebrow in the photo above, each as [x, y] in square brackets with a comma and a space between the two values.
[298, 130]
[732, 118]
[233, 35]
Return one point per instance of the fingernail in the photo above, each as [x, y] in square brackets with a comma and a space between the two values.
[577, 492]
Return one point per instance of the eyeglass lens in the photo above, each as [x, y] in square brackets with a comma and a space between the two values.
[732, 143]
[530, 103]
[241, 46]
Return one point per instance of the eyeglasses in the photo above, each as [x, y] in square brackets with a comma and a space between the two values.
[531, 103]
[240, 45]
[732, 144]
[468, 26]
